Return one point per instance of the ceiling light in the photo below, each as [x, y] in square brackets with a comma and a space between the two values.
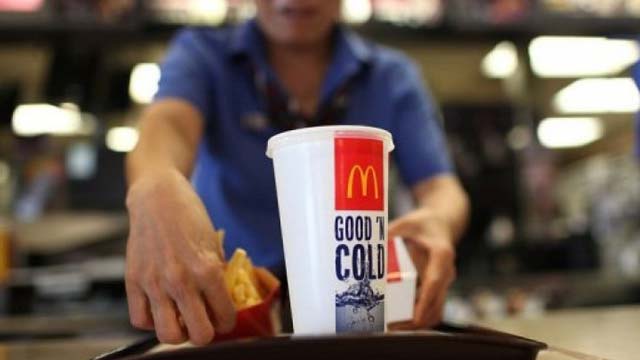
[501, 62]
[41, 119]
[209, 11]
[409, 12]
[568, 132]
[356, 11]
[573, 56]
[143, 84]
[122, 139]
[598, 95]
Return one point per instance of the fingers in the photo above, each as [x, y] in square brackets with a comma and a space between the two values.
[139, 313]
[219, 302]
[433, 316]
[191, 302]
[194, 314]
[165, 319]
[402, 326]
[436, 278]
[435, 312]
[197, 293]
[403, 227]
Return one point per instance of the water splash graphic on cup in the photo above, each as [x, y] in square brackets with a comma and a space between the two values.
[360, 308]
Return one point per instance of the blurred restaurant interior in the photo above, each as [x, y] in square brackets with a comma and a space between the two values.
[537, 100]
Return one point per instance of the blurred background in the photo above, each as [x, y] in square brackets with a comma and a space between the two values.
[537, 102]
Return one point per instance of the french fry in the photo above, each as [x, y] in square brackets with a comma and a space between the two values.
[251, 274]
[239, 294]
[250, 287]
[220, 234]
[241, 281]
[237, 264]
[233, 266]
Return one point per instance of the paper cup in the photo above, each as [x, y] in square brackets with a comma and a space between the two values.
[332, 196]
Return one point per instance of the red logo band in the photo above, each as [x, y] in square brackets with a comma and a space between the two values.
[359, 179]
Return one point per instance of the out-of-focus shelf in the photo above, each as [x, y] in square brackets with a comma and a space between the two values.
[86, 287]
[45, 26]
[56, 233]
[70, 325]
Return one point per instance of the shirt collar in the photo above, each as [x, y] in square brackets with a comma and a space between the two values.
[246, 40]
[351, 56]
[354, 45]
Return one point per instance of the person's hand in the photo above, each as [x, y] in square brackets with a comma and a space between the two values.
[174, 273]
[431, 246]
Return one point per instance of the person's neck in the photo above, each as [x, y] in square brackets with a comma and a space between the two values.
[308, 54]
[302, 70]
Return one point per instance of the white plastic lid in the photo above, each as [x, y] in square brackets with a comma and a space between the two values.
[320, 133]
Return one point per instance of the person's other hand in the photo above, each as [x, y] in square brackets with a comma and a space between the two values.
[432, 249]
[175, 262]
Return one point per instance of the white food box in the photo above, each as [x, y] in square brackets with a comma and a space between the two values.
[401, 283]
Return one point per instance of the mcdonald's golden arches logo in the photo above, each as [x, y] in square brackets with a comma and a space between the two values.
[364, 180]
[359, 179]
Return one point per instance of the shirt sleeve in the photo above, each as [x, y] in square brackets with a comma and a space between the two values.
[185, 75]
[421, 149]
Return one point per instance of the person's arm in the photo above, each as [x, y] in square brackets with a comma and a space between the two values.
[446, 201]
[432, 231]
[174, 271]
[433, 228]
[170, 131]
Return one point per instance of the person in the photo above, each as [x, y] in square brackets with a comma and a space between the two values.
[201, 159]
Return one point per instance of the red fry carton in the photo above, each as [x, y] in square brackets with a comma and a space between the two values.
[260, 320]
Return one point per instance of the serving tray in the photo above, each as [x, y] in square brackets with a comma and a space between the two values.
[444, 343]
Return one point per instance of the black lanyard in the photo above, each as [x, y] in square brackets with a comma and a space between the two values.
[283, 113]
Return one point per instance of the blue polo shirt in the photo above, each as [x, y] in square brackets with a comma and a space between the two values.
[215, 70]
